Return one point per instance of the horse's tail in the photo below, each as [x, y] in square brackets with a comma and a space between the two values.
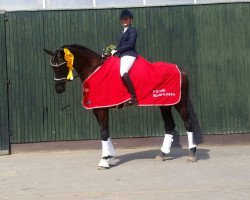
[198, 137]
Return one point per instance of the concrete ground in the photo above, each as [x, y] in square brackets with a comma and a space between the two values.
[221, 173]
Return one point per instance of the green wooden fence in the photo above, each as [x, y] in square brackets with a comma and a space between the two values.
[211, 42]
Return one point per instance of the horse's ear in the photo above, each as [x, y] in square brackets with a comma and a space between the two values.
[49, 52]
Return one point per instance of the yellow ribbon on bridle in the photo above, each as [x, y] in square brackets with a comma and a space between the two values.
[69, 58]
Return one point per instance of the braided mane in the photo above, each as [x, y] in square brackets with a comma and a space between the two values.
[81, 47]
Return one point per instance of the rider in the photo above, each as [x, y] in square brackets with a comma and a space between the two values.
[126, 51]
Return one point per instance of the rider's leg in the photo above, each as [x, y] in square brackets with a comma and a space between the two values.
[125, 65]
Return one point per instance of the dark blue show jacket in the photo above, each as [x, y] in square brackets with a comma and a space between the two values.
[127, 42]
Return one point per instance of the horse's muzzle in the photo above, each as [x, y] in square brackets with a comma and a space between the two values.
[60, 87]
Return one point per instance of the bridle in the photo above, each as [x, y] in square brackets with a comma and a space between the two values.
[58, 66]
[64, 79]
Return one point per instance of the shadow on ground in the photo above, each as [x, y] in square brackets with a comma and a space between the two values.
[202, 154]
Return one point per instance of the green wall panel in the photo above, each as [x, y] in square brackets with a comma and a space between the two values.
[210, 42]
[223, 59]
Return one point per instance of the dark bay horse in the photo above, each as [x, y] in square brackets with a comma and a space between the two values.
[85, 63]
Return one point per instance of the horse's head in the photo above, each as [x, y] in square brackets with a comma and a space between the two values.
[85, 62]
[59, 66]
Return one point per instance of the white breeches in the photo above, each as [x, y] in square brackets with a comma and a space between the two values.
[126, 63]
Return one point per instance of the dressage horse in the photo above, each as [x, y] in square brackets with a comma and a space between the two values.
[86, 62]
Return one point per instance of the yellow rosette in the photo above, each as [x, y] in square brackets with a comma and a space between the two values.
[69, 57]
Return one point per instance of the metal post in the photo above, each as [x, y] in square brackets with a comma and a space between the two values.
[44, 4]
[4, 123]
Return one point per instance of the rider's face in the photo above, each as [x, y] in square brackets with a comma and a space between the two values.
[126, 21]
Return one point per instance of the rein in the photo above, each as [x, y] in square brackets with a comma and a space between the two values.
[86, 70]
[69, 60]
[64, 79]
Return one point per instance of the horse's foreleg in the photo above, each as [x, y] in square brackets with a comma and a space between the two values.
[168, 138]
[108, 150]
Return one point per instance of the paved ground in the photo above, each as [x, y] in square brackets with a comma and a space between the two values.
[221, 173]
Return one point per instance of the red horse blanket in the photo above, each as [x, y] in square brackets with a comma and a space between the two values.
[155, 84]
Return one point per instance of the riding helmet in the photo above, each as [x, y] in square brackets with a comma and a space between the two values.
[126, 13]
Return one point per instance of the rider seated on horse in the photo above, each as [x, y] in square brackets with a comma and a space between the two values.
[125, 49]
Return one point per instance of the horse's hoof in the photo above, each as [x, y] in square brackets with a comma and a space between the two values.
[102, 168]
[161, 157]
[112, 161]
[192, 159]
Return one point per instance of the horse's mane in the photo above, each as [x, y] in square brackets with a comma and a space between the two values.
[81, 47]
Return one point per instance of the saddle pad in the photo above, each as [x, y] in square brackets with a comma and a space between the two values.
[156, 84]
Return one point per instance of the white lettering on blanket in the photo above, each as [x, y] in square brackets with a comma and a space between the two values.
[162, 93]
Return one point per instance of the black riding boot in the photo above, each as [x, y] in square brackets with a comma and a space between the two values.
[130, 87]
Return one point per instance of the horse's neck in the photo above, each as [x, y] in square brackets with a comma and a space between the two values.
[86, 62]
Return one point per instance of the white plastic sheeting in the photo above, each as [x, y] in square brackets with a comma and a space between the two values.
[168, 2]
[68, 4]
[13, 5]
[118, 3]
[10, 5]
[219, 1]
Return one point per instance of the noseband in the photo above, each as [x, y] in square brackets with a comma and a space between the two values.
[58, 66]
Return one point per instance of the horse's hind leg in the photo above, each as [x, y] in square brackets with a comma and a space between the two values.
[181, 108]
[108, 151]
[169, 124]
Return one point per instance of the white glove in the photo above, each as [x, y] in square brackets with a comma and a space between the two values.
[113, 52]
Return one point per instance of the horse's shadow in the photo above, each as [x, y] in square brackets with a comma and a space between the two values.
[202, 154]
